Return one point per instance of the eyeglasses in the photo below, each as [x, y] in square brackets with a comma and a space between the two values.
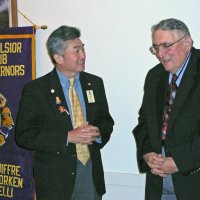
[154, 49]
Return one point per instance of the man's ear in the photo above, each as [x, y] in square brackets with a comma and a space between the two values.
[188, 42]
[58, 58]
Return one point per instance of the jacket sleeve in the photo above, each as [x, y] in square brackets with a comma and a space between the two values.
[141, 136]
[103, 119]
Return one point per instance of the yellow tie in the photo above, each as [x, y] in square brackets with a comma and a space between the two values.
[82, 151]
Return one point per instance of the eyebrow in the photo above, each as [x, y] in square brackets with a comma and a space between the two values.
[164, 43]
[78, 46]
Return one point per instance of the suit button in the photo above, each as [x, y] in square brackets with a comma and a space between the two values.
[73, 173]
[58, 152]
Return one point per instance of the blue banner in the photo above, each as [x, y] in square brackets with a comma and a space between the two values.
[17, 67]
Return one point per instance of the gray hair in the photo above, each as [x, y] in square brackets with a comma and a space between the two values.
[56, 43]
[171, 24]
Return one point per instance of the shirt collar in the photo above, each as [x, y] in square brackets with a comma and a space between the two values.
[181, 71]
[64, 80]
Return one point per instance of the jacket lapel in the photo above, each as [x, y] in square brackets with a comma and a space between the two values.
[88, 85]
[57, 100]
[188, 80]
[161, 95]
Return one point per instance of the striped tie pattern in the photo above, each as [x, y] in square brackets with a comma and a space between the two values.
[169, 104]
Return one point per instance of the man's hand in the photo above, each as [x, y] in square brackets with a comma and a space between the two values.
[169, 166]
[161, 166]
[84, 134]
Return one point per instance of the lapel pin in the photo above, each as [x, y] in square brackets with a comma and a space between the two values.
[62, 109]
[89, 84]
[58, 100]
[52, 91]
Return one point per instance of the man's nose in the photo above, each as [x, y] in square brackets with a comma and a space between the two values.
[82, 54]
[160, 52]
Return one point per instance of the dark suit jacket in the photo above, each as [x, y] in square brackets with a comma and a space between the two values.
[183, 134]
[41, 127]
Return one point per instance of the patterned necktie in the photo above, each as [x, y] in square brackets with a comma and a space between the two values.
[169, 103]
[82, 151]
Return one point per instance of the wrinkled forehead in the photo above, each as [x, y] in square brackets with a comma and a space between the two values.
[163, 36]
[75, 43]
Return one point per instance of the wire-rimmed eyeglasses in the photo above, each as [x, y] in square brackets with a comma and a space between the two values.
[154, 49]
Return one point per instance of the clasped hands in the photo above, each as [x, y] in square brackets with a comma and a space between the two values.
[159, 165]
[84, 134]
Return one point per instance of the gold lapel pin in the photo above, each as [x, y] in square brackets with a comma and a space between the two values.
[58, 101]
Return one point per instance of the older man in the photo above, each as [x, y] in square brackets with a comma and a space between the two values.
[168, 131]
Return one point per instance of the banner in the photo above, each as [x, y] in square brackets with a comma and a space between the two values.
[17, 67]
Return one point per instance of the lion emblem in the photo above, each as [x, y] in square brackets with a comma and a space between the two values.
[6, 120]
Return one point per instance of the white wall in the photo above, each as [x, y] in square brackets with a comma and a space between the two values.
[124, 186]
[117, 38]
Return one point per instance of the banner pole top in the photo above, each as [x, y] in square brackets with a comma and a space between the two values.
[35, 26]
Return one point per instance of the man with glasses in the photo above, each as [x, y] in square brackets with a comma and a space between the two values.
[168, 131]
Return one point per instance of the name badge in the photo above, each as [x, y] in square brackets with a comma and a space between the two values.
[90, 96]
